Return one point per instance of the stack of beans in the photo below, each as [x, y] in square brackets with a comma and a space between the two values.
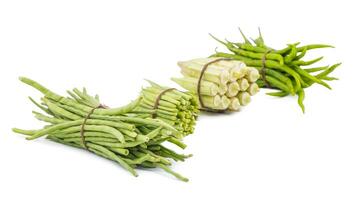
[176, 108]
[120, 134]
[225, 84]
[284, 70]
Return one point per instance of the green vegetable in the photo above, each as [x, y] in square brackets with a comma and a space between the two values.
[283, 69]
[127, 135]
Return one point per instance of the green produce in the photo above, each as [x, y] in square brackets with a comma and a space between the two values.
[284, 69]
[127, 135]
[176, 108]
[219, 84]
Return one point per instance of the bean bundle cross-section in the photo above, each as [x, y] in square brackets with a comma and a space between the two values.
[224, 85]
[176, 108]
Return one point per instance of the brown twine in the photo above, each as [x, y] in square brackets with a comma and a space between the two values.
[85, 121]
[155, 106]
[263, 70]
[200, 98]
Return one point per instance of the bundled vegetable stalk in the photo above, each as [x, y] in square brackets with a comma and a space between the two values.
[282, 69]
[176, 108]
[220, 84]
[131, 138]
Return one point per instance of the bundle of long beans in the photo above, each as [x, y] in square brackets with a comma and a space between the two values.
[220, 84]
[176, 108]
[282, 69]
[131, 138]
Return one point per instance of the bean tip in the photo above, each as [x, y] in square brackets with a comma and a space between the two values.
[185, 179]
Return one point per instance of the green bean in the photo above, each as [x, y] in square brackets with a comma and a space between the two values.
[308, 76]
[96, 127]
[115, 124]
[40, 106]
[51, 95]
[153, 122]
[80, 98]
[167, 113]
[301, 96]
[164, 98]
[87, 134]
[73, 110]
[149, 157]
[60, 111]
[75, 97]
[120, 145]
[315, 69]
[157, 91]
[55, 139]
[260, 41]
[282, 78]
[91, 139]
[260, 83]
[160, 107]
[167, 169]
[161, 159]
[167, 155]
[106, 129]
[154, 133]
[174, 154]
[330, 78]
[113, 156]
[278, 94]
[291, 55]
[328, 71]
[314, 46]
[161, 115]
[45, 118]
[301, 55]
[249, 54]
[276, 83]
[138, 160]
[121, 151]
[129, 133]
[143, 138]
[154, 148]
[250, 47]
[24, 132]
[325, 73]
[34, 84]
[287, 49]
[99, 153]
[147, 165]
[150, 100]
[90, 101]
[243, 35]
[305, 63]
[177, 142]
[119, 110]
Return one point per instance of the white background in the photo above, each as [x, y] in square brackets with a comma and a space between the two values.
[269, 150]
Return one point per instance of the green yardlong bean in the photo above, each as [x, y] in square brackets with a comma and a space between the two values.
[122, 134]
